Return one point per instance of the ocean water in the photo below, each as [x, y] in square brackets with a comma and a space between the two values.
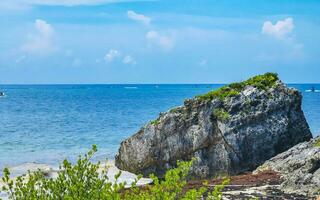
[47, 123]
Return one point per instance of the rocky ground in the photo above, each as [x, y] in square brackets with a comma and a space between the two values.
[299, 167]
[265, 185]
[293, 174]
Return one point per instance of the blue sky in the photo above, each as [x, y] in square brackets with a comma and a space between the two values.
[165, 41]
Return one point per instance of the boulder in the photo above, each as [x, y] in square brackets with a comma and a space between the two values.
[299, 167]
[228, 131]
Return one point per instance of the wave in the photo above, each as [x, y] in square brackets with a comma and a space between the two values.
[131, 87]
[312, 91]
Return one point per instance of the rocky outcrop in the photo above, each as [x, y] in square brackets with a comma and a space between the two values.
[264, 185]
[228, 131]
[299, 167]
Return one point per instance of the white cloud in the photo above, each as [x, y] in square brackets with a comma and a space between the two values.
[280, 29]
[111, 55]
[114, 55]
[41, 42]
[165, 42]
[287, 47]
[138, 17]
[19, 4]
[129, 60]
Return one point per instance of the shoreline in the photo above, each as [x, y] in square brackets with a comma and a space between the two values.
[52, 171]
[246, 185]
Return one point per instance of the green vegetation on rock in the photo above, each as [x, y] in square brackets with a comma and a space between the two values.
[173, 110]
[85, 180]
[317, 143]
[155, 122]
[262, 82]
[221, 114]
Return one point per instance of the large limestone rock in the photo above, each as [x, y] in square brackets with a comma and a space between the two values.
[300, 168]
[228, 131]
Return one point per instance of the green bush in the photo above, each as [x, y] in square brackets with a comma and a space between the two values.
[82, 181]
[262, 82]
[220, 93]
[317, 143]
[155, 122]
[221, 114]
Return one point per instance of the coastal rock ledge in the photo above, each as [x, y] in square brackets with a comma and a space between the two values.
[228, 131]
[299, 168]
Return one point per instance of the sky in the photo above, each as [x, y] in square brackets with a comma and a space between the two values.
[158, 41]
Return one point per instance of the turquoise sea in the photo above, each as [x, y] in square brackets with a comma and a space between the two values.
[47, 123]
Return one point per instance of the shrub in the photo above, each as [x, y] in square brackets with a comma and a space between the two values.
[317, 143]
[79, 181]
[216, 194]
[221, 114]
[83, 181]
[262, 82]
[155, 122]
[220, 93]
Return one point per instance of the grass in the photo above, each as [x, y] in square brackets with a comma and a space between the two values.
[317, 144]
[262, 82]
[221, 114]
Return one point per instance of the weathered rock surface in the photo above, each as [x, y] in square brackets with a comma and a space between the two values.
[299, 167]
[226, 135]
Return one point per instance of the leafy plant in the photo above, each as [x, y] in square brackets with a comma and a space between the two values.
[155, 122]
[262, 82]
[220, 93]
[83, 181]
[221, 114]
[317, 143]
[216, 194]
[79, 181]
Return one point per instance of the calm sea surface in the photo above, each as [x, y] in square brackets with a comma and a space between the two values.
[47, 123]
